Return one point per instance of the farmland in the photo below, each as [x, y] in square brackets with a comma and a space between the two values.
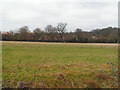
[59, 65]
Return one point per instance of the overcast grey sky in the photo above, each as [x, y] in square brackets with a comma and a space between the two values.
[84, 14]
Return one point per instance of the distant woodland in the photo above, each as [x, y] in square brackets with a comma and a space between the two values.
[59, 34]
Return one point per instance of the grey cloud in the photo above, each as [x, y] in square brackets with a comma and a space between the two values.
[77, 13]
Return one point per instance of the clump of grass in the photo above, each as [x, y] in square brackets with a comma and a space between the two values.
[113, 82]
[103, 79]
[63, 81]
[22, 84]
[91, 84]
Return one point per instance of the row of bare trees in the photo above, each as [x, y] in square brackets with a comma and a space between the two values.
[59, 34]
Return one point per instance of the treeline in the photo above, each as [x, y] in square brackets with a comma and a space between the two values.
[59, 34]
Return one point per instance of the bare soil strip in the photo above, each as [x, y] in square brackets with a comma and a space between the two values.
[59, 43]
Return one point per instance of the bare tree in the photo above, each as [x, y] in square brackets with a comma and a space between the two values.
[24, 33]
[37, 30]
[79, 35]
[37, 34]
[61, 29]
[50, 29]
[51, 32]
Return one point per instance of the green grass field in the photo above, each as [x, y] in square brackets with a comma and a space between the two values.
[52, 65]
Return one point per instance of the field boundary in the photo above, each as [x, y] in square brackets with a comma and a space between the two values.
[59, 43]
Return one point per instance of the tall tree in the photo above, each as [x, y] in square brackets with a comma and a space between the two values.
[79, 35]
[51, 32]
[24, 33]
[37, 34]
[61, 29]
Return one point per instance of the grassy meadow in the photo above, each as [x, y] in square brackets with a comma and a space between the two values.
[57, 65]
